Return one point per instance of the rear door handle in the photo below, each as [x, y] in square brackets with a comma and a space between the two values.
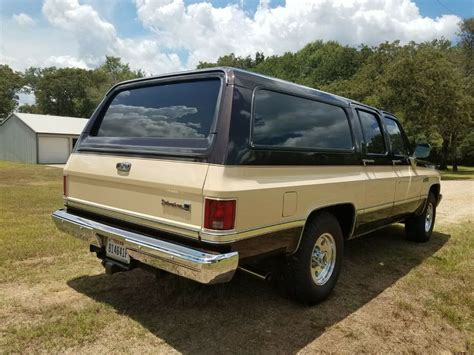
[368, 161]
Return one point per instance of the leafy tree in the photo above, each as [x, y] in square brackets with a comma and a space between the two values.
[466, 42]
[27, 108]
[11, 83]
[73, 91]
[230, 60]
[325, 62]
[62, 91]
[107, 75]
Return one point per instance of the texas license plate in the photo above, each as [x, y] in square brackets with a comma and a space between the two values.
[116, 249]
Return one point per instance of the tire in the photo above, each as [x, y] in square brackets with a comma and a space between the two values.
[420, 228]
[308, 278]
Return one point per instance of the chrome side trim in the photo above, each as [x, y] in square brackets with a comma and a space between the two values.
[374, 208]
[212, 236]
[376, 229]
[197, 265]
[413, 199]
[183, 229]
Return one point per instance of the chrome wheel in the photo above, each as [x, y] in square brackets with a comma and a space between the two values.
[323, 259]
[429, 217]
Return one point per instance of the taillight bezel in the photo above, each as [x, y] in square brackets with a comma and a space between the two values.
[207, 225]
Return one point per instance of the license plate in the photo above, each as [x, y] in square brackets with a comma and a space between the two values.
[116, 250]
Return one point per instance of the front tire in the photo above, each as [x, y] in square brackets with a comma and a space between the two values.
[420, 228]
[312, 272]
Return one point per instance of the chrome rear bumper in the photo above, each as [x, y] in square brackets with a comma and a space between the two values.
[204, 267]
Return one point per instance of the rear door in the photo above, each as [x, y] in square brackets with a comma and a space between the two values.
[143, 158]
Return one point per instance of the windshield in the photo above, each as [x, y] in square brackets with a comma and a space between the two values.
[178, 114]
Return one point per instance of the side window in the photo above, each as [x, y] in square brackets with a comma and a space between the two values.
[372, 133]
[282, 120]
[396, 138]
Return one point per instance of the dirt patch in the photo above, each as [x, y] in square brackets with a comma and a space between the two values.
[458, 202]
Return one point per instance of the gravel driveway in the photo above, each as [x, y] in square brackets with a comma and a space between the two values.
[457, 203]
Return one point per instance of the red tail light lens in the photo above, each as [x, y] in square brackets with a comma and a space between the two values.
[65, 185]
[219, 214]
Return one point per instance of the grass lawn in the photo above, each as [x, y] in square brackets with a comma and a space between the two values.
[392, 295]
[463, 173]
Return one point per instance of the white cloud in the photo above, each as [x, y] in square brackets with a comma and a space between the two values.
[22, 47]
[23, 20]
[64, 61]
[97, 37]
[77, 35]
[208, 32]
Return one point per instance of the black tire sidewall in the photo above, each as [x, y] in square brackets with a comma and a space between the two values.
[415, 226]
[306, 290]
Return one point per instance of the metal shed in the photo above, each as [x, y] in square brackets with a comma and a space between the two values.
[39, 139]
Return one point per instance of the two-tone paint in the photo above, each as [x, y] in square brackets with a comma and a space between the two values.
[276, 190]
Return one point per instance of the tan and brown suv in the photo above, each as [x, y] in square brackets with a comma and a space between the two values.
[204, 172]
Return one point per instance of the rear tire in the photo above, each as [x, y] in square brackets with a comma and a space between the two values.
[312, 271]
[420, 228]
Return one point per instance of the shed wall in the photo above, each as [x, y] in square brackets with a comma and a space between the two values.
[17, 141]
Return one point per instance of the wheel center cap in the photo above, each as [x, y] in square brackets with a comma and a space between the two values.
[320, 257]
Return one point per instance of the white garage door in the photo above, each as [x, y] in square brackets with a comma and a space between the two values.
[53, 150]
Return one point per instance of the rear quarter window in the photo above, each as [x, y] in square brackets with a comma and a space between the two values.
[292, 122]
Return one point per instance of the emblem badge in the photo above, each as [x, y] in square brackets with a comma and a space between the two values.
[123, 167]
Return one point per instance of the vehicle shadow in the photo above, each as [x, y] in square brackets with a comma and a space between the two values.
[248, 315]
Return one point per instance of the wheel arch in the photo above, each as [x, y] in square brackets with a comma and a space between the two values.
[345, 213]
[436, 190]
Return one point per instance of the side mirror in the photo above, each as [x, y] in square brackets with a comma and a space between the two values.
[422, 151]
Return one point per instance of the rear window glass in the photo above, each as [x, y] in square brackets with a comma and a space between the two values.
[182, 110]
[289, 121]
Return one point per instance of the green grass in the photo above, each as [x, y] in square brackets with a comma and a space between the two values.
[28, 195]
[463, 173]
[55, 298]
[444, 283]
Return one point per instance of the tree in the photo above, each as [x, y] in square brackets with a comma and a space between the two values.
[466, 47]
[73, 91]
[466, 42]
[63, 91]
[325, 62]
[11, 83]
[107, 75]
[424, 86]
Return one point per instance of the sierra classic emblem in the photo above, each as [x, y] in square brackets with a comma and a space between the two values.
[123, 166]
[184, 206]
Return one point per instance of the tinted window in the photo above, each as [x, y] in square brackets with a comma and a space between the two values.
[372, 133]
[181, 110]
[289, 121]
[396, 138]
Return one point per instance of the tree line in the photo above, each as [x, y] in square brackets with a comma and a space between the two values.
[429, 86]
[61, 91]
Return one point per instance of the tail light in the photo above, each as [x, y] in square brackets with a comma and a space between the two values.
[64, 185]
[219, 214]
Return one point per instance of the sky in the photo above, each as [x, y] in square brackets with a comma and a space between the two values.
[161, 36]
